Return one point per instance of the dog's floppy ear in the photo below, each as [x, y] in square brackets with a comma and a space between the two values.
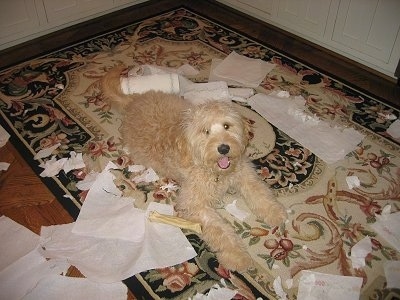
[248, 129]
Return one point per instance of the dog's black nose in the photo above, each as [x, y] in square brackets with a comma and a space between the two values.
[223, 149]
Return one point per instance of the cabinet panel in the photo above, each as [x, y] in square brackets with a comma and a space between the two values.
[306, 16]
[63, 10]
[16, 16]
[369, 26]
[263, 5]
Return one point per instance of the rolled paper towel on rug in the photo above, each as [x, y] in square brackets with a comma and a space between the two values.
[155, 216]
[200, 92]
[167, 83]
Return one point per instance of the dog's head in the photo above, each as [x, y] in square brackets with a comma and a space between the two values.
[217, 135]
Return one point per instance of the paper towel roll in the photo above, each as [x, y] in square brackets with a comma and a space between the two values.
[168, 83]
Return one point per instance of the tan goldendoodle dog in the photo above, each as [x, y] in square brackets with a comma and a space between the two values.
[202, 147]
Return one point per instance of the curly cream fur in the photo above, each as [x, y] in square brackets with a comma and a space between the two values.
[183, 141]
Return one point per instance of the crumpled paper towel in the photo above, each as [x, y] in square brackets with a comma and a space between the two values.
[317, 286]
[328, 143]
[359, 251]
[387, 226]
[239, 70]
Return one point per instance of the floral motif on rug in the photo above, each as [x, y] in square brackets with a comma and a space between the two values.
[56, 99]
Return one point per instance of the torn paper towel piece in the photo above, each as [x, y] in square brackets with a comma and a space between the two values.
[46, 151]
[360, 251]
[235, 211]
[239, 70]
[317, 286]
[394, 129]
[198, 93]
[74, 162]
[277, 284]
[21, 265]
[112, 260]
[329, 144]
[4, 166]
[106, 214]
[392, 273]
[87, 182]
[185, 70]
[149, 175]
[216, 293]
[24, 274]
[240, 94]
[353, 182]
[67, 288]
[4, 136]
[15, 241]
[387, 227]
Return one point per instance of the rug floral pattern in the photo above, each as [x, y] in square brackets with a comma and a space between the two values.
[56, 99]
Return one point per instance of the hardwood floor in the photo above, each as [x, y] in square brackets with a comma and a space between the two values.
[25, 199]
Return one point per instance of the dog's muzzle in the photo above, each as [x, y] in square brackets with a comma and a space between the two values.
[223, 162]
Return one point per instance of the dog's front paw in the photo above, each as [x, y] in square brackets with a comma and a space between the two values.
[275, 214]
[235, 260]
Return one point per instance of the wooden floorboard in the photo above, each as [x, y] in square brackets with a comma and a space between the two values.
[25, 199]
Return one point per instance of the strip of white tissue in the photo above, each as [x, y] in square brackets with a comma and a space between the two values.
[4, 136]
[359, 251]
[239, 70]
[392, 273]
[106, 214]
[46, 151]
[317, 286]
[236, 211]
[352, 182]
[277, 284]
[240, 94]
[387, 226]
[185, 70]
[112, 259]
[66, 288]
[198, 93]
[4, 166]
[394, 129]
[329, 144]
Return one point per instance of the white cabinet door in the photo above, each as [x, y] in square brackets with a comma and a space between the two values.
[304, 16]
[61, 11]
[368, 26]
[16, 16]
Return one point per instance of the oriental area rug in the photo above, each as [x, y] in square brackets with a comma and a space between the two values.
[56, 98]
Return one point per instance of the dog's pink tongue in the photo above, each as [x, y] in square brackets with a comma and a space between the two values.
[224, 162]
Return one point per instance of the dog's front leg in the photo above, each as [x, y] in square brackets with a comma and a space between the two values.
[216, 232]
[259, 197]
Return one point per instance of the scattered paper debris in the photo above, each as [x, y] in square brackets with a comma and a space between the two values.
[282, 94]
[4, 136]
[392, 273]
[52, 166]
[136, 168]
[277, 285]
[317, 286]
[46, 151]
[147, 176]
[74, 162]
[394, 129]
[235, 211]
[198, 93]
[328, 143]
[353, 182]
[387, 227]
[87, 182]
[359, 251]
[217, 292]
[4, 166]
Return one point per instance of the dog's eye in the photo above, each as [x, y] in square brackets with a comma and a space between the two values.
[226, 126]
[206, 131]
